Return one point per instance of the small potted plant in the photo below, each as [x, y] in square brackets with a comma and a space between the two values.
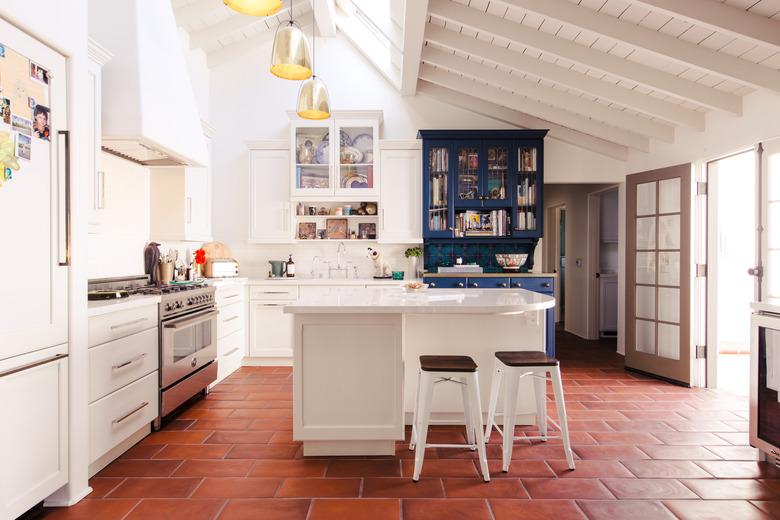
[200, 260]
[413, 255]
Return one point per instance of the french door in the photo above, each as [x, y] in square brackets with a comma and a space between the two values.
[659, 273]
[770, 219]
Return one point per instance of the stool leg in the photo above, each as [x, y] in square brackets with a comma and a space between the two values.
[423, 414]
[414, 415]
[476, 406]
[510, 410]
[555, 374]
[495, 385]
[540, 390]
[467, 412]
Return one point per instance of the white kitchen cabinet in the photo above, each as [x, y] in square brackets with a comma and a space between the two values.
[181, 201]
[98, 56]
[270, 219]
[400, 192]
[34, 436]
[270, 330]
[231, 326]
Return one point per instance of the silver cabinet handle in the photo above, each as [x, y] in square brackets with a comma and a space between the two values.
[460, 284]
[432, 284]
[231, 319]
[545, 285]
[502, 285]
[228, 353]
[132, 412]
[232, 296]
[474, 284]
[517, 284]
[275, 292]
[192, 321]
[129, 323]
[128, 363]
[189, 210]
[33, 364]
[272, 305]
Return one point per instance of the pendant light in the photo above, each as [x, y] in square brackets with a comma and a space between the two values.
[290, 57]
[313, 99]
[255, 7]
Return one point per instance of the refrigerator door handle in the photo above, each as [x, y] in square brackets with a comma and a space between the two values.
[63, 197]
[33, 364]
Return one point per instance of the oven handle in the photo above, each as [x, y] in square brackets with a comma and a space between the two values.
[194, 320]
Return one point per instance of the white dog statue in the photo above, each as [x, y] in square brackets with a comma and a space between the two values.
[382, 267]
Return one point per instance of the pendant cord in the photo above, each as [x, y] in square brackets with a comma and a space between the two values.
[291, 12]
[313, 41]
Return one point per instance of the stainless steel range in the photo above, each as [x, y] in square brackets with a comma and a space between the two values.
[188, 336]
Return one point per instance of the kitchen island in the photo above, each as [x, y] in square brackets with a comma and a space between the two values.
[356, 350]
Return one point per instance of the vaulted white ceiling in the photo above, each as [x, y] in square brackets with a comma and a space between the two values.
[607, 75]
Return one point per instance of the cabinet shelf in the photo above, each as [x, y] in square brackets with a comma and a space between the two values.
[304, 217]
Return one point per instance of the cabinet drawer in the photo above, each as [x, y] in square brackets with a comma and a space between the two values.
[488, 282]
[230, 320]
[542, 285]
[115, 325]
[229, 295]
[453, 282]
[122, 361]
[120, 414]
[231, 353]
[273, 292]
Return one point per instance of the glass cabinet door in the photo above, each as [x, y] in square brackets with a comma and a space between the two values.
[356, 172]
[467, 176]
[312, 160]
[495, 189]
[437, 196]
[527, 188]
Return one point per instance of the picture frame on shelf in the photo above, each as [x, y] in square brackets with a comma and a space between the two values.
[336, 229]
[307, 230]
[367, 230]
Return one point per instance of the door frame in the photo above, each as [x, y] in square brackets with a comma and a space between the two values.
[552, 253]
[594, 259]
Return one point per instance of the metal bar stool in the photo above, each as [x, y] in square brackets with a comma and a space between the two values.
[461, 370]
[510, 367]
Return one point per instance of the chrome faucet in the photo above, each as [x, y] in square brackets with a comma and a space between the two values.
[339, 253]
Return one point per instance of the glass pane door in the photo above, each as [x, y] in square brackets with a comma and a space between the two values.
[771, 201]
[527, 187]
[467, 176]
[312, 159]
[437, 197]
[496, 184]
[356, 158]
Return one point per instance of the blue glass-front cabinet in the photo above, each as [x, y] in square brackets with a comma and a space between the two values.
[483, 184]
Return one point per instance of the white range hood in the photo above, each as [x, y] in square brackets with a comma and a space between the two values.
[149, 113]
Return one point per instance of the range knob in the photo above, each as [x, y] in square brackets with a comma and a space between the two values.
[190, 301]
[179, 305]
[168, 307]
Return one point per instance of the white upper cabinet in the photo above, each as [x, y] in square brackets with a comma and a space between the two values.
[400, 192]
[270, 219]
[98, 56]
[181, 201]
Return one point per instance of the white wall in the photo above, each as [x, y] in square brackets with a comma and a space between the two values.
[200, 75]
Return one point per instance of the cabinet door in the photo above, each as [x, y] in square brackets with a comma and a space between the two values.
[495, 183]
[34, 437]
[313, 153]
[96, 184]
[527, 164]
[400, 198]
[468, 169]
[197, 205]
[356, 170]
[271, 331]
[437, 195]
[269, 191]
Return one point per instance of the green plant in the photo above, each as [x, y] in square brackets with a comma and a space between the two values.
[413, 252]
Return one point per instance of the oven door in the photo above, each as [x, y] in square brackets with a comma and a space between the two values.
[765, 384]
[188, 343]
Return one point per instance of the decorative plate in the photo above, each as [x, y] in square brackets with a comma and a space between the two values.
[344, 139]
[354, 181]
[322, 153]
[371, 208]
[350, 155]
[364, 143]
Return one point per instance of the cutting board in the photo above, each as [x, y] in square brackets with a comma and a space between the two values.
[216, 250]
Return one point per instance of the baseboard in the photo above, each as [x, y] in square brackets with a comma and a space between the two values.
[267, 362]
[59, 500]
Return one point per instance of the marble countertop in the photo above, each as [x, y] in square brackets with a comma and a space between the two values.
[328, 281]
[492, 275]
[100, 307]
[222, 282]
[394, 300]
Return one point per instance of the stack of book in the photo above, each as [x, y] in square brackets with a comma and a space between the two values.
[526, 192]
[482, 223]
[526, 220]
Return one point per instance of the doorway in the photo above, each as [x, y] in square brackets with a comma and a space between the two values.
[731, 251]
[555, 257]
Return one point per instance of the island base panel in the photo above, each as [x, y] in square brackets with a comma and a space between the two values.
[347, 448]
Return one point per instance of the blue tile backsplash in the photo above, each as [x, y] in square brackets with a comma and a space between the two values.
[444, 254]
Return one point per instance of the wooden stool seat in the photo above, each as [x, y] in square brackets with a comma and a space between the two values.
[447, 364]
[526, 358]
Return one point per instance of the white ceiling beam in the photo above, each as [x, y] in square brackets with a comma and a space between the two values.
[581, 82]
[325, 14]
[415, 20]
[549, 96]
[241, 47]
[654, 42]
[237, 22]
[535, 108]
[721, 17]
[196, 10]
[522, 120]
[591, 58]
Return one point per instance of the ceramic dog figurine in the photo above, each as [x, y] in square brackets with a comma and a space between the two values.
[382, 267]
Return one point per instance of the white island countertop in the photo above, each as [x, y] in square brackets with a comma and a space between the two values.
[394, 300]
[305, 280]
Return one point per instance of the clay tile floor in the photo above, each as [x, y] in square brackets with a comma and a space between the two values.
[645, 449]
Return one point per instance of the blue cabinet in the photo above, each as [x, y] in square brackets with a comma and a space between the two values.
[544, 285]
[483, 184]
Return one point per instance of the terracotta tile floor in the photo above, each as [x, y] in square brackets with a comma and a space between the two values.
[645, 449]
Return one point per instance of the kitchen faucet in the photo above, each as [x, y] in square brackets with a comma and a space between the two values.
[339, 253]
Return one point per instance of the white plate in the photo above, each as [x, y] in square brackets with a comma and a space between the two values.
[419, 289]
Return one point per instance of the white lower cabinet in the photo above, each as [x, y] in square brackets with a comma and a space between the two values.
[120, 414]
[231, 353]
[270, 330]
[231, 327]
[33, 436]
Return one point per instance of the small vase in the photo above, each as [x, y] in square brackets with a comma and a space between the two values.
[413, 267]
[198, 271]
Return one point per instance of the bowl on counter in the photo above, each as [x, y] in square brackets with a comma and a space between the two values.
[511, 261]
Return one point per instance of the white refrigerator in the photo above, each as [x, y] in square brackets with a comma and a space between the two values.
[34, 262]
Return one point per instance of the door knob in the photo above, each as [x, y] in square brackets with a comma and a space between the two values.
[474, 284]
[756, 271]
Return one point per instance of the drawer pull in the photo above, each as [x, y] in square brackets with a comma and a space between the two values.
[231, 319]
[133, 412]
[128, 363]
[474, 284]
[272, 305]
[276, 292]
[545, 284]
[129, 323]
[502, 285]
[232, 296]
[460, 284]
[432, 284]
[228, 353]
[517, 284]
[55, 357]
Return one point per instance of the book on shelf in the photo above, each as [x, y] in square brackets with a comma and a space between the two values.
[526, 159]
[526, 221]
[526, 192]
[474, 223]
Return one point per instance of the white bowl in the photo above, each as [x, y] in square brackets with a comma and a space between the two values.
[415, 289]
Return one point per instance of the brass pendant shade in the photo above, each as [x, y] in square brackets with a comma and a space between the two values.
[255, 7]
[291, 57]
[313, 100]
